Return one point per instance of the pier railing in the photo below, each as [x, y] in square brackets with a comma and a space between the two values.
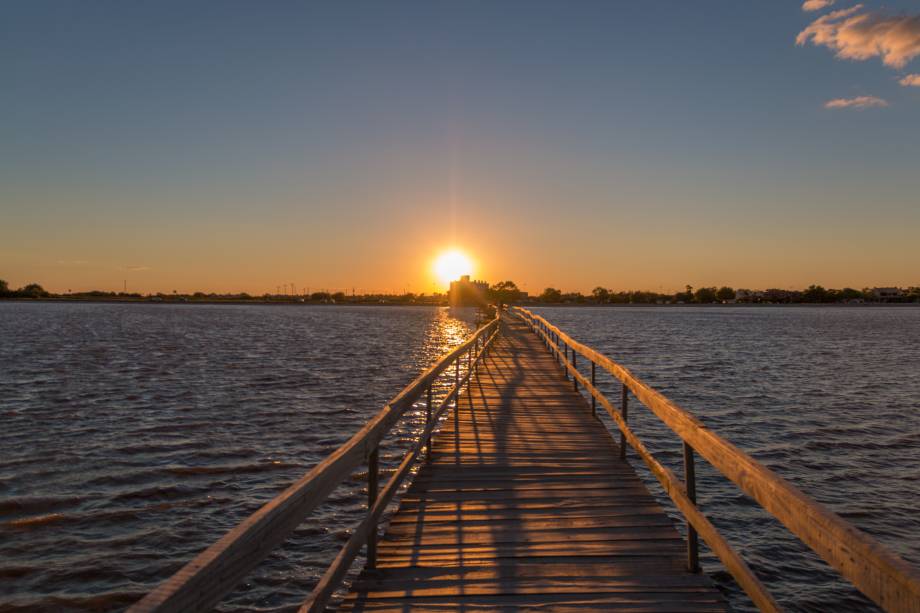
[203, 582]
[878, 573]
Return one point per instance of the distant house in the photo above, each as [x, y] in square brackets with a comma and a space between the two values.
[746, 295]
[887, 293]
[468, 293]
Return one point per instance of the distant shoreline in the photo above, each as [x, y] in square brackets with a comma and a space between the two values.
[434, 304]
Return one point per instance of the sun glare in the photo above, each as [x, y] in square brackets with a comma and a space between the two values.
[451, 265]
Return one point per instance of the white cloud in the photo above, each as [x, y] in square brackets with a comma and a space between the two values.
[136, 268]
[911, 80]
[857, 35]
[859, 102]
[816, 5]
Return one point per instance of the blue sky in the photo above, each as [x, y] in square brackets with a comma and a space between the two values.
[239, 145]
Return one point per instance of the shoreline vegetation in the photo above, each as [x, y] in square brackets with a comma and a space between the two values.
[505, 291]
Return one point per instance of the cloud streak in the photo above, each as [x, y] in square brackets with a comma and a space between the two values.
[816, 5]
[911, 80]
[856, 35]
[859, 102]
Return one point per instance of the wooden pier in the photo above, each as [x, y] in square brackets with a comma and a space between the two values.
[524, 500]
[526, 504]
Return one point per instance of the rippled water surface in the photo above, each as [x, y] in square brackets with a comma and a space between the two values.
[828, 397]
[135, 435]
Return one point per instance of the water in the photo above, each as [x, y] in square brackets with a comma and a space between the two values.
[827, 397]
[135, 435]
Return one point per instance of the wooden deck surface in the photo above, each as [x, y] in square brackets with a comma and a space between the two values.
[524, 506]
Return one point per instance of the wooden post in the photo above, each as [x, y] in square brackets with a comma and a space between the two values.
[593, 385]
[693, 552]
[565, 361]
[624, 411]
[480, 343]
[574, 370]
[457, 374]
[373, 462]
[428, 423]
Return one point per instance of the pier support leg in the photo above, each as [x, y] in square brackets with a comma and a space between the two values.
[593, 384]
[693, 553]
[373, 465]
[624, 411]
[574, 370]
[428, 423]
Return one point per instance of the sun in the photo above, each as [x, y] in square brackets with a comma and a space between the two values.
[451, 265]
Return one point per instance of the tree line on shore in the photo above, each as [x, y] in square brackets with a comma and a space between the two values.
[36, 291]
[32, 290]
[508, 292]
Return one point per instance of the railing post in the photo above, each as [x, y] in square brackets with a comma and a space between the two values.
[480, 351]
[457, 375]
[624, 413]
[574, 371]
[373, 461]
[428, 422]
[565, 361]
[693, 553]
[593, 386]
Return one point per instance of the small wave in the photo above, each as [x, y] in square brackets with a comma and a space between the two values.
[33, 504]
[26, 523]
[17, 572]
[157, 492]
[94, 602]
[230, 468]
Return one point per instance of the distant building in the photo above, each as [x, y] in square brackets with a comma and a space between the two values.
[746, 295]
[468, 293]
[887, 293]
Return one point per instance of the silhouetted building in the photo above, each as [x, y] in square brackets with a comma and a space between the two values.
[887, 293]
[468, 293]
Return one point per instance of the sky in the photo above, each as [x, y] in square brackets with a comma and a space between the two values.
[238, 146]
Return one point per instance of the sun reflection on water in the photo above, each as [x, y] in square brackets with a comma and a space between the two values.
[449, 328]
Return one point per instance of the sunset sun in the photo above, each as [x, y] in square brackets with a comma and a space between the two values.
[451, 265]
